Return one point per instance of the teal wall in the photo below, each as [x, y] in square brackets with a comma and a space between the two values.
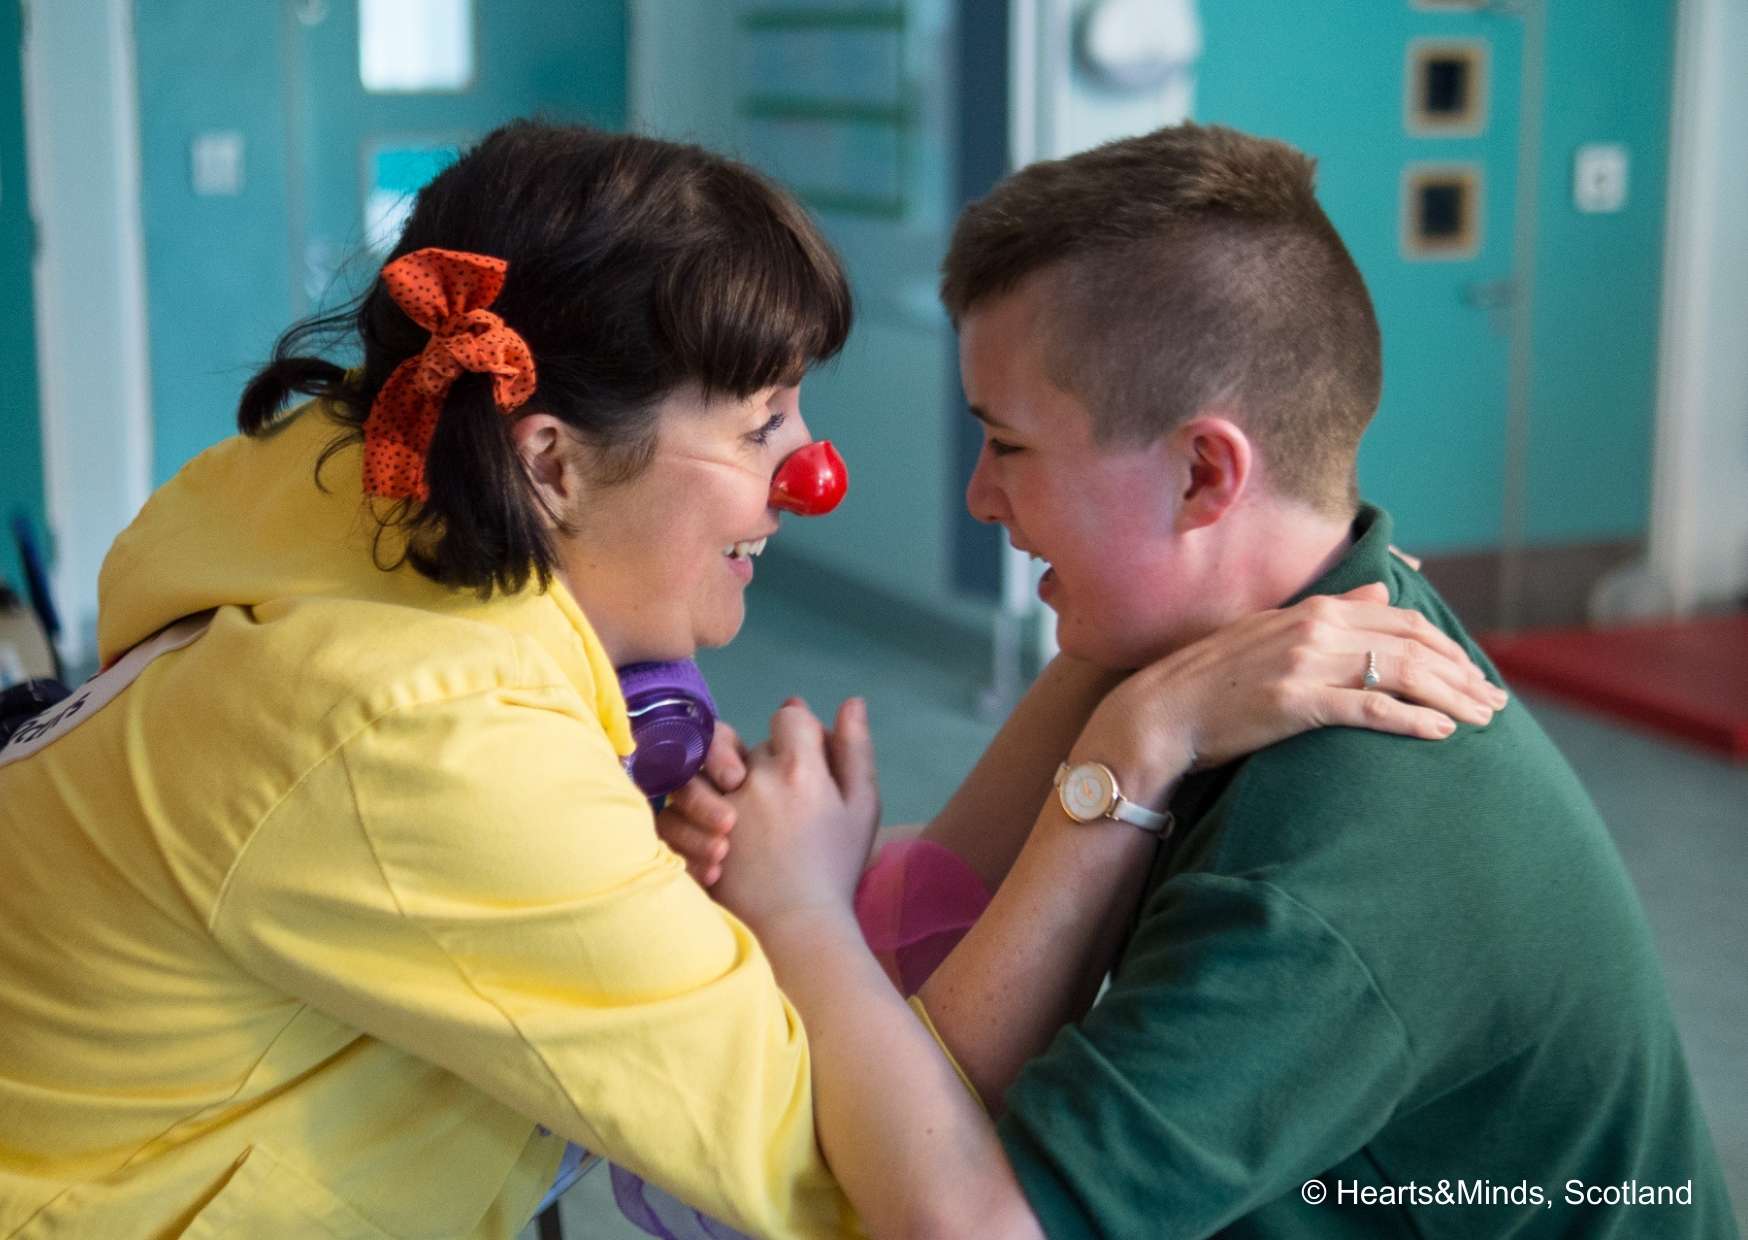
[218, 269]
[1599, 277]
[226, 274]
[21, 465]
[1436, 454]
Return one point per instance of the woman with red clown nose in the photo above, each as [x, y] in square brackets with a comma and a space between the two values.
[331, 906]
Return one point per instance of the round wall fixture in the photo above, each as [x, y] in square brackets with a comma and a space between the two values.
[1137, 45]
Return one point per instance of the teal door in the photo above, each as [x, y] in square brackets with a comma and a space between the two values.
[264, 156]
[360, 153]
[847, 105]
[1521, 357]
[1425, 199]
[21, 476]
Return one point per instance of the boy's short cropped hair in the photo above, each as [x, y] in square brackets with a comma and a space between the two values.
[1189, 270]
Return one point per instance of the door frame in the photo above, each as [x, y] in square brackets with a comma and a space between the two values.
[82, 144]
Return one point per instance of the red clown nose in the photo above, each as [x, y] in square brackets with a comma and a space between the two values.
[811, 481]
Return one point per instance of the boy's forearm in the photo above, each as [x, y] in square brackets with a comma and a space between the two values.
[1033, 961]
[987, 820]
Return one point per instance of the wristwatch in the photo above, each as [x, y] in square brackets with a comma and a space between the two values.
[1088, 790]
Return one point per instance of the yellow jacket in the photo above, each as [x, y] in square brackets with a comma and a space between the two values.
[305, 932]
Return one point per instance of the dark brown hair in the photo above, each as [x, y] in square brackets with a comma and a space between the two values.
[1189, 269]
[636, 267]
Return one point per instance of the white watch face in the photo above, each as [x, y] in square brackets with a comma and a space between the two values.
[1088, 791]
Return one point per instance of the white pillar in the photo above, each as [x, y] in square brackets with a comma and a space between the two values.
[82, 132]
[1699, 504]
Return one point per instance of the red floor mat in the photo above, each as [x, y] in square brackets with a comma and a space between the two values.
[1687, 679]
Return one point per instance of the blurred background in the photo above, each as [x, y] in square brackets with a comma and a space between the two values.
[1548, 199]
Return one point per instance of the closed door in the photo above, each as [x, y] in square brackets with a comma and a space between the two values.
[1448, 296]
[1412, 113]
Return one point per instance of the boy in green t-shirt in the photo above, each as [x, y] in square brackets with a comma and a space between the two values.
[1375, 987]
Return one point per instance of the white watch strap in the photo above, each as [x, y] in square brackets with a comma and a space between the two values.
[1153, 822]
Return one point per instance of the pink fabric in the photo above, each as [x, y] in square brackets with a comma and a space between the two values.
[915, 903]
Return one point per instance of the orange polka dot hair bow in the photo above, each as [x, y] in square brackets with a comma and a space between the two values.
[446, 292]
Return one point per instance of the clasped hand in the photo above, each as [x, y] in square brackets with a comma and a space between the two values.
[803, 805]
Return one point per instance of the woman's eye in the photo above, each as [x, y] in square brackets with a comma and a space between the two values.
[762, 436]
[998, 448]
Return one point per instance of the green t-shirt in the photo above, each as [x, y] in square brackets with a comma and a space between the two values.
[1377, 987]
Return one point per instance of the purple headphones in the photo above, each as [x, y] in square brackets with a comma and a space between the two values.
[672, 721]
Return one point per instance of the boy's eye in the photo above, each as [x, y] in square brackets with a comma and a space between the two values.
[762, 436]
[998, 447]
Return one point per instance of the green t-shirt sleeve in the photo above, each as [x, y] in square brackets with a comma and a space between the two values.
[1242, 1049]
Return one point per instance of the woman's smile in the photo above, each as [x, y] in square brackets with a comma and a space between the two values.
[740, 556]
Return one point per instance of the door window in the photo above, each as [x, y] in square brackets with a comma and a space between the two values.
[415, 46]
[396, 173]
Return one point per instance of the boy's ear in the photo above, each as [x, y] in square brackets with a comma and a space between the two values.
[1213, 461]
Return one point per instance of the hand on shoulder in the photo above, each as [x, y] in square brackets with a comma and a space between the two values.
[1277, 673]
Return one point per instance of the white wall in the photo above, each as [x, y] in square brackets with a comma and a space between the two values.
[83, 139]
[1699, 521]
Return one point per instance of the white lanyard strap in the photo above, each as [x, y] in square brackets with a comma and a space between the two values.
[103, 688]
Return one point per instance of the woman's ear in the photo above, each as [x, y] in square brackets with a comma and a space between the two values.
[1214, 460]
[550, 456]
